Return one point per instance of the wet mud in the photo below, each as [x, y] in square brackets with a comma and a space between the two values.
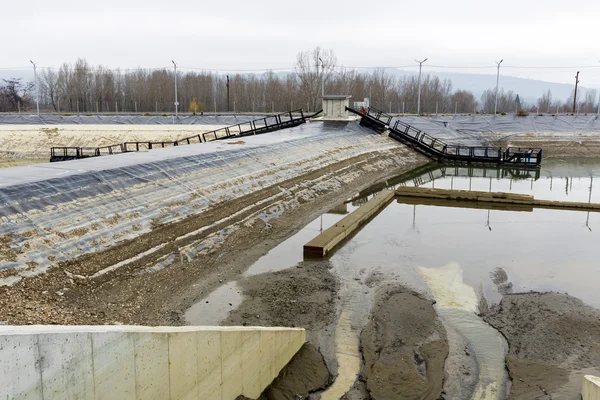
[404, 347]
[304, 296]
[305, 374]
[553, 341]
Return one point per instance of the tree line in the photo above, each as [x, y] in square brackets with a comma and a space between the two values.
[83, 88]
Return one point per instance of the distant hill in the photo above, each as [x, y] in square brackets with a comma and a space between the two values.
[26, 75]
[527, 89]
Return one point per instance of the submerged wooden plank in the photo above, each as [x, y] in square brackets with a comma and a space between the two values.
[489, 198]
[464, 204]
[458, 194]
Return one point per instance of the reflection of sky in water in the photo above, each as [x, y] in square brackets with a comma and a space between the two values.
[539, 250]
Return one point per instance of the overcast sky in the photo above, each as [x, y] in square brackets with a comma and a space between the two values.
[267, 34]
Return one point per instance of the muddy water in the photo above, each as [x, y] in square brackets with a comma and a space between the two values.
[457, 305]
[451, 253]
[539, 250]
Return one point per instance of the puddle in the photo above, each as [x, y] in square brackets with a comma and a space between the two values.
[290, 252]
[215, 307]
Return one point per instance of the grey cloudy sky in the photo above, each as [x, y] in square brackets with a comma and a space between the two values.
[267, 34]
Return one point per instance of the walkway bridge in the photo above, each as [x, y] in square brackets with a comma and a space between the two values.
[255, 127]
[429, 172]
[438, 150]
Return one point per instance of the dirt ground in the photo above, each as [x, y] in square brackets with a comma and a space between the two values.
[556, 149]
[304, 296]
[127, 296]
[19, 162]
[404, 347]
[35, 141]
[553, 341]
[553, 338]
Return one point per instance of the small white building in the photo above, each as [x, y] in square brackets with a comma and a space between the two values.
[334, 107]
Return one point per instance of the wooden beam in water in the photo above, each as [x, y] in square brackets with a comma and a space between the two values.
[463, 204]
[330, 238]
[489, 198]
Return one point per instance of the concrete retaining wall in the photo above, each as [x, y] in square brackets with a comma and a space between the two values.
[129, 362]
[591, 388]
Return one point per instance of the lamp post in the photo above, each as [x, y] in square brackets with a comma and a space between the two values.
[322, 77]
[37, 88]
[419, 95]
[497, 82]
[176, 102]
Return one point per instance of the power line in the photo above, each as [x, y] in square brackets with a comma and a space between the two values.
[13, 68]
[551, 67]
[339, 68]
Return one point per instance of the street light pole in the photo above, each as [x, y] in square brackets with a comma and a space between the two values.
[419, 95]
[322, 77]
[227, 93]
[176, 102]
[497, 82]
[37, 88]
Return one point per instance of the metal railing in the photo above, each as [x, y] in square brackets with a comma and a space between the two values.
[440, 150]
[255, 127]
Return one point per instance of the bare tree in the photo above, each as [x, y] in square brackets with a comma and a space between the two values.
[311, 67]
[544, 102]
[49, 83]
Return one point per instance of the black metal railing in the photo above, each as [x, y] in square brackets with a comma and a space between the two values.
[255, 127]
[440, 150]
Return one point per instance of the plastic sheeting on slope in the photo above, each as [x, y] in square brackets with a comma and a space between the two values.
[476, 130]
[45, 119]
[50, 213]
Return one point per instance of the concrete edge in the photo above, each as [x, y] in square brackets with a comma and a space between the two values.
[591, 388]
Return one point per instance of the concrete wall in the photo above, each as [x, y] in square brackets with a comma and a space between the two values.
[129, 362]
[591, 388]
[335, 108]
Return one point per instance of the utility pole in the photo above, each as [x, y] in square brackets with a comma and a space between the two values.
[176, 102]
[227, 93]
[497, 82]
[575, 96]
[419, 95]
[37, 88]
[322, 77]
